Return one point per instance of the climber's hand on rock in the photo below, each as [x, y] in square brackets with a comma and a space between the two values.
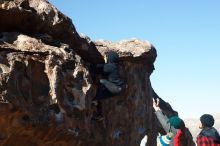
[156, 104]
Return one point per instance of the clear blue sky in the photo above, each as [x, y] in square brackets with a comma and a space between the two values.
[185, 33]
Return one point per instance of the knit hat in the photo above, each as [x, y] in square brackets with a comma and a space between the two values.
[207, 120]
[176, 122]
[164, 140]
[112, 57]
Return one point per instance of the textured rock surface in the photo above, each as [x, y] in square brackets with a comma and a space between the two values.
[44, 66]
[41, 19]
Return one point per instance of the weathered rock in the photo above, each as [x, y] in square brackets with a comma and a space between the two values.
[46, 87]
[41, 19]
[37, 16]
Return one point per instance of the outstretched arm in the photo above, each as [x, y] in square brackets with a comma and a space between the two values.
[163, 119]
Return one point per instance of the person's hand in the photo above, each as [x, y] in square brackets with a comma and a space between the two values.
[156, 104]
[144, 141]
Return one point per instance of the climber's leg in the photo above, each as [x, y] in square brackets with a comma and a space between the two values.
[102, 93]
[113, 88]
[97, 115]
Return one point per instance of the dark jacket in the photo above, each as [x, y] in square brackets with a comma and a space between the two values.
[110, 70]
[209, 136]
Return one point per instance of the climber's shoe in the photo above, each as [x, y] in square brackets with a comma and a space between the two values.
[98, 118]
[95, 102]
[111, 86]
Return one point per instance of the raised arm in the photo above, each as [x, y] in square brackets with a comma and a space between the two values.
[163, 119]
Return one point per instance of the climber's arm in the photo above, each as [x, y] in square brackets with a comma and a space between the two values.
[164, 122]
[163, 118]
[97, 68]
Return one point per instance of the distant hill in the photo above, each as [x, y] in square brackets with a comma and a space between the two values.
[193, 125]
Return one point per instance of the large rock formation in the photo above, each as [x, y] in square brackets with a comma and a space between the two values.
[46, 87]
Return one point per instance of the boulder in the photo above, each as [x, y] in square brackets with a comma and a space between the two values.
[46, 86]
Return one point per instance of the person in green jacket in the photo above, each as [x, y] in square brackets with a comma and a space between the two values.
[174, 125]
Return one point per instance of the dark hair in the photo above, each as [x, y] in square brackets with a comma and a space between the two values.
[207, 120]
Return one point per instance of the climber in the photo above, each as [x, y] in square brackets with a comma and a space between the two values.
[209, 136]
[174, 125]
[162, 140]
[110, 84]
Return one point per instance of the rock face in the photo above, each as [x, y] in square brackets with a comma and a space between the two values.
[39, 17]
[46, 87]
